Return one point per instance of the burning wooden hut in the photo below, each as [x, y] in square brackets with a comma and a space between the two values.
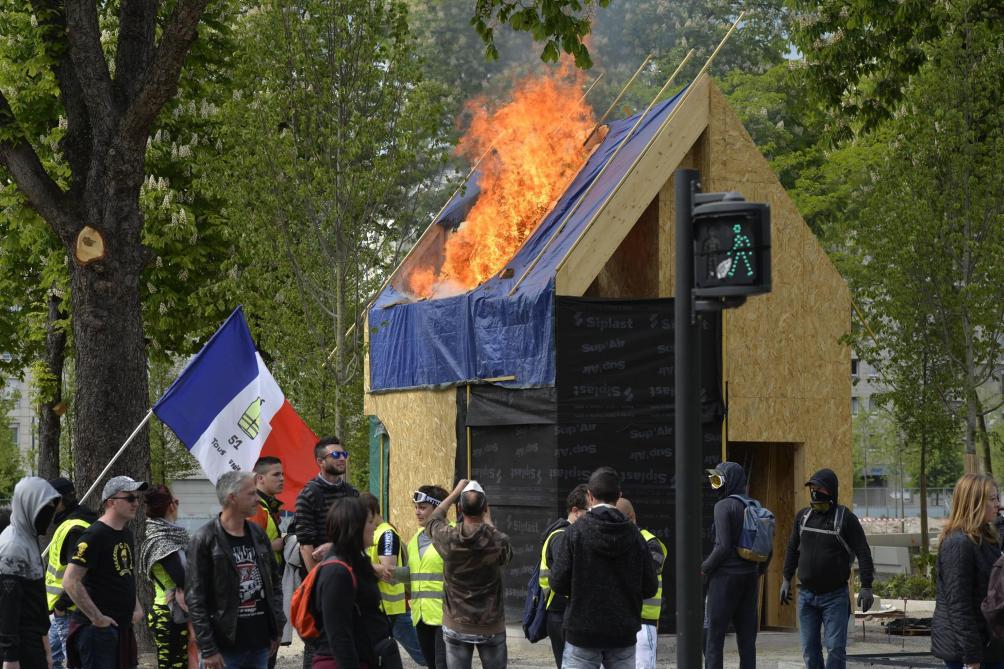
[560, 359]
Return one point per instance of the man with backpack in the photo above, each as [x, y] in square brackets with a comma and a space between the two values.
[575, 505]
[731, 578]
[824, 542]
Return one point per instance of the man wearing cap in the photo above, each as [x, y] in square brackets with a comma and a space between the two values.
[824, 542]
[474, 552]
[70, 522]
[425, 565]
[101, 581]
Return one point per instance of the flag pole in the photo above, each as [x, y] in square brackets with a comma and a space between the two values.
[146, 419]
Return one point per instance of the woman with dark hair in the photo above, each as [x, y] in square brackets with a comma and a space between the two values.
[346, 599]
[162, 560]
[969, 547]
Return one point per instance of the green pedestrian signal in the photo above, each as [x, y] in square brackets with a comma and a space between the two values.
[731, 246]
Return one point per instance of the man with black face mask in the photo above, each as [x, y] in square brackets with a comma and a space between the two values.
[824, 542]
[24, 615]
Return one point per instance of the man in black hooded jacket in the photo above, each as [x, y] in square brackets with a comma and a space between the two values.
[732, 580]
[605, 569]
[823, 544]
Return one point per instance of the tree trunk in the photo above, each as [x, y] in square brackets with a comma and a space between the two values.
[925, 540]
[111, 394]
[984, 442]
[50, 409]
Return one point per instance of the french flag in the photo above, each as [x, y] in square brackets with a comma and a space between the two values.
[228, 411]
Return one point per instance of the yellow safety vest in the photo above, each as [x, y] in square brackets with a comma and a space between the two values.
[426, 583]
[545, 572]
[272, 530]
[162, 584]
[651, 609]
[391, 596]
[55, 569]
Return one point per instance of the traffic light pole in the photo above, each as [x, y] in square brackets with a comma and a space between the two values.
[689, 603]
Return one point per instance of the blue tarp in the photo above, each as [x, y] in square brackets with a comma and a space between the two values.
[484, 333]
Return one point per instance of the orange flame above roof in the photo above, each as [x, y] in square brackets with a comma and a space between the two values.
[536, 150]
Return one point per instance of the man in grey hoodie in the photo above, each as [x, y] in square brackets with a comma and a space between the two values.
[605, 569]
[24, 614]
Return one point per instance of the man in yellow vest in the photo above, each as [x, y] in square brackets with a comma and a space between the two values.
[575, 505]
[387, 555]
[651, 608]
[425, 567]
[269, 480]
[70, 522]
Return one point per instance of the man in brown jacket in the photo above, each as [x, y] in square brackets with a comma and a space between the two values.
[474, 553]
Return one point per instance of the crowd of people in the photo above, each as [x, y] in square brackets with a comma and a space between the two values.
[226, 597]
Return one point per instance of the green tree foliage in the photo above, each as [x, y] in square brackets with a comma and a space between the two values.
[11, 465]
[863, 53]
[560, 25]
[333, 137]
[928, 245]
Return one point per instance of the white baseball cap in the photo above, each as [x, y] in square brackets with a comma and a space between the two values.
[475, 486]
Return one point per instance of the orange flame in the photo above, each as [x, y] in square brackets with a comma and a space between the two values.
[536, 143]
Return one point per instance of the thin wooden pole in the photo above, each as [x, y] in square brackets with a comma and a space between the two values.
[617, 99]
[655, 137]
[596, 179]
[466, 412]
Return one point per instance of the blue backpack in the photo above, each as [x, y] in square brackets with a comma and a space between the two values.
[756, 539]
[535, 608]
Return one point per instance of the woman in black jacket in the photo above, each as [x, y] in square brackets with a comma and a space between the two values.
[346, 600]
[969, 547]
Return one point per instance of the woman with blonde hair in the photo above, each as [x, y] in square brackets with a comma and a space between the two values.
[969, 547]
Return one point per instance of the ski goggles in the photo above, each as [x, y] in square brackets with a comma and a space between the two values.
[419, 497]
[715, 478]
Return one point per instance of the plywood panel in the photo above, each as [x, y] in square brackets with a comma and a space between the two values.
[633, 270]
[637, 189]
[423, 443]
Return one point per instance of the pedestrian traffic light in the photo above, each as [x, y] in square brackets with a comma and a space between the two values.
[731, 246]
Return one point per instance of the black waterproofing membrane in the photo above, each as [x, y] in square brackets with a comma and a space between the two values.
[612, 404]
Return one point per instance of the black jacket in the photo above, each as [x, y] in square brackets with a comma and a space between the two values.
[729, 513]
[824, 565]
[349, 613]
[605, 569]
[959, 633]
[212, 583]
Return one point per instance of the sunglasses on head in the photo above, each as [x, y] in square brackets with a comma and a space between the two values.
[420, 498]
[127, 498]
[338, 455]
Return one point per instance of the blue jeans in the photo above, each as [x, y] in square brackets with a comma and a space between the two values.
[829, 612]
[98, 647]
[577, 657]
[256, 658]
[403, 631]
[57, 639]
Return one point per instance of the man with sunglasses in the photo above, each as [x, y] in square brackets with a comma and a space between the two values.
[312, 505]
[101, 580]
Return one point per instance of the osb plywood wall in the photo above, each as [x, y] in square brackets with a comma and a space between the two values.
[423, 441]
[788, 375]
